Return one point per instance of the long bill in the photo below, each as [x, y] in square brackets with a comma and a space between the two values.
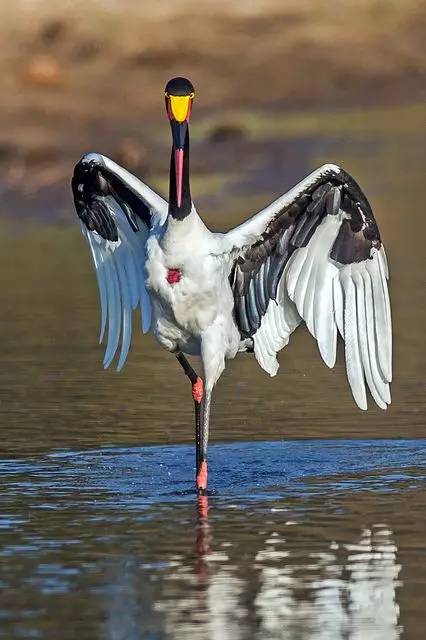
[179, 173]
[179, 132]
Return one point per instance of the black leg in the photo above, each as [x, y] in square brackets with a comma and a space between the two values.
[189, 371]
[202, 471]
[197, 394]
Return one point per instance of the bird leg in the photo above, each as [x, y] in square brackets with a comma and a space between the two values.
[198, 395]
[201, 479]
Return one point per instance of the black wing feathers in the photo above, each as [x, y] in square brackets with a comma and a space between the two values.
[257, 272]
[97, 191]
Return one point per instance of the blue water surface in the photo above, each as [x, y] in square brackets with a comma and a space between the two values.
[139, 477]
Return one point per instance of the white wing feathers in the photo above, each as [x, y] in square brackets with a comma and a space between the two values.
[117, 213]
[352, 299]
[121, 280]
[278, 323]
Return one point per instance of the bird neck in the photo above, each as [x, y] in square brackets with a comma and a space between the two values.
[176, 212]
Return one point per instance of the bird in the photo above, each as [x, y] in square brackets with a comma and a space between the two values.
[313, 255]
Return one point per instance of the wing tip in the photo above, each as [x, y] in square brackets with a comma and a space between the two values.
[107, 362]
[330, 362]
[382, 402]
[361, 403]
[387, 400]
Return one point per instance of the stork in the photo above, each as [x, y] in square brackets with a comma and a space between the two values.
[313, 255]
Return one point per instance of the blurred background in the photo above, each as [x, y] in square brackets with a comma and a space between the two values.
[281, 88]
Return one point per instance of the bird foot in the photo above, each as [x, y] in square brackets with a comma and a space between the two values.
[198, 390]
[201, 480]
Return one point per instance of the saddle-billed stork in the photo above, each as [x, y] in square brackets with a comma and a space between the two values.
[313, 255]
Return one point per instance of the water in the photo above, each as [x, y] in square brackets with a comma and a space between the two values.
[315, 523]
[296, 540]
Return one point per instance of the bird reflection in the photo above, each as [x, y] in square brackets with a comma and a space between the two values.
[325, 590]
[203, 539]
[351, 586]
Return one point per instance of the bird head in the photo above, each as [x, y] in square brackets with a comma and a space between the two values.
[179, 94]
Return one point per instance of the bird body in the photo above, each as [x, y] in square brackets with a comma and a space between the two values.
[194, 313]
[314, 255]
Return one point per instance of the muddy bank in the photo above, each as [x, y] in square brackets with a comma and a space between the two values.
[90, 75]
[118, 55]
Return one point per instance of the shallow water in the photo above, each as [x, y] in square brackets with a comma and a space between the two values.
[313, 539]
[100, 533]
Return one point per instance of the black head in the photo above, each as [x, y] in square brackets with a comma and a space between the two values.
[179, 87]
[179, 94]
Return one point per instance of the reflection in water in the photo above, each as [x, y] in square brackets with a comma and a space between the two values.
[343, 591]
[351, 593]
[219, 591]
[123, 619]
[298, 555]
[212, 594]
[203, 539]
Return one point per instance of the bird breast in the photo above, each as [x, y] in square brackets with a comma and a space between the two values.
[188, 286]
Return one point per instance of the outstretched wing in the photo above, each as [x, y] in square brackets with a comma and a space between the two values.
[117, 212]
[315, 254]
